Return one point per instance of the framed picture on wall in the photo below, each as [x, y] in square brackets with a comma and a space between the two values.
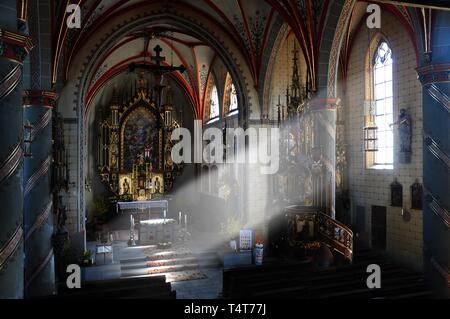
[396, 194]
[416, 195]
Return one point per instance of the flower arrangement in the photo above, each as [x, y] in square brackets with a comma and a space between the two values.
[86, 258]
[231, 227]
[259, 240]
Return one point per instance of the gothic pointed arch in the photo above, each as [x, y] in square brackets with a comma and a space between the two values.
[230, 98]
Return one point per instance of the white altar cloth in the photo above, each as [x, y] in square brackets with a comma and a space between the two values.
[137, 205]
[155, 222]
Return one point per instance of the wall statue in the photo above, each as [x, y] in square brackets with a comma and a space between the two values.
[405, 137]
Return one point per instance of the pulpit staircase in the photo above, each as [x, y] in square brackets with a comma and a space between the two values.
[288, 276]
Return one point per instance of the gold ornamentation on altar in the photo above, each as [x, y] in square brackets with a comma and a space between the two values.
[134, 150]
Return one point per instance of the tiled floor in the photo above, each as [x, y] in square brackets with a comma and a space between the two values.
[208, 288]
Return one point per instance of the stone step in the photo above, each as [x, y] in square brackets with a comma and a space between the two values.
[158, 263]
[158, 270]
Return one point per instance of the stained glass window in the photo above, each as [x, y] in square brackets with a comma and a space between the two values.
[233, 99]
[214, 107]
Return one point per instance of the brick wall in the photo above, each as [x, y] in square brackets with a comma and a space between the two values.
[405, 239]
[371, 187]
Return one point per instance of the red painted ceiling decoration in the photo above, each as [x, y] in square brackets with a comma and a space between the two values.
[248, 23]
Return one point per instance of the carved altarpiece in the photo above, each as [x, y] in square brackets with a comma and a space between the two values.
[134, 154]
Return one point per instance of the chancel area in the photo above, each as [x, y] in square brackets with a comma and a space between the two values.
[224, 149]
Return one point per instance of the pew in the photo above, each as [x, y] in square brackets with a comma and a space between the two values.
[134, 288]
[292, 280]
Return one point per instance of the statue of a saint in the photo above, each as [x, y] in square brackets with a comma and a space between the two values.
[405, 134]
[140, 160]
[157, 185]
[142, 82]
[126, 187]
[62, 216]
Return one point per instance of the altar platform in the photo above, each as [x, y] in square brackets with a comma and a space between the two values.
[194, 273]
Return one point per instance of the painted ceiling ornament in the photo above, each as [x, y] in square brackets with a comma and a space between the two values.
[258, 24]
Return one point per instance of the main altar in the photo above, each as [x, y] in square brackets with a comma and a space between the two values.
[134, 149]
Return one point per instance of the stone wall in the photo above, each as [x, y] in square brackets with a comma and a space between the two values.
[371, 186]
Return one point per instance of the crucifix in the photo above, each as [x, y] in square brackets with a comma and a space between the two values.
[157, 69]
[158, 58]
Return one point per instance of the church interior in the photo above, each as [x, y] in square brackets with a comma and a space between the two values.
[219, 149]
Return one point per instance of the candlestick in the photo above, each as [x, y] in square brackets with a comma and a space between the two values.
[185, 222]
[164, 215]
[179, 218]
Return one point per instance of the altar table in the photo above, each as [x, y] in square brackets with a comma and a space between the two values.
[142, 205]
[155, 231]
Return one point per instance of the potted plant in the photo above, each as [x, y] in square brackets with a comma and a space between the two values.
[87, 259]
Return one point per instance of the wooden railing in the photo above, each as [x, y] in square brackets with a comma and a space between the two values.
[324, 229]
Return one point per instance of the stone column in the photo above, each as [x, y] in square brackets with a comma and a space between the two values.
[13, 49]
[435, 77]
[324, 153]
[38, 200]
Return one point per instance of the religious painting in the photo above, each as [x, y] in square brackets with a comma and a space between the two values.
[139, 132]
[158, 184]
[396, 194]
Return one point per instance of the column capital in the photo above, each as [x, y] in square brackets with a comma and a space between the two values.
[434, 73]
[14, 46]
[39, 98]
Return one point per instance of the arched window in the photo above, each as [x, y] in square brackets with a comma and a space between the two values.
[230, 100]
[383, 102]
[214, 106]
[233, 99]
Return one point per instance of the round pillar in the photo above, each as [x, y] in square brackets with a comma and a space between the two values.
[38, 198]
[14, 47]
[434, 75]
[324, 153]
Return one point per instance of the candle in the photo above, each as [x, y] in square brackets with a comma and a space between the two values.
[185, 221]
[164, 214]
[179, 218]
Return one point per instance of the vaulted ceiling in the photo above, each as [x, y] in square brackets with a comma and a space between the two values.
[247, 23]
[247, 26]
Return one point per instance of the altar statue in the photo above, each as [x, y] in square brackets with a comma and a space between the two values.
[126, 187]
[157, 185]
